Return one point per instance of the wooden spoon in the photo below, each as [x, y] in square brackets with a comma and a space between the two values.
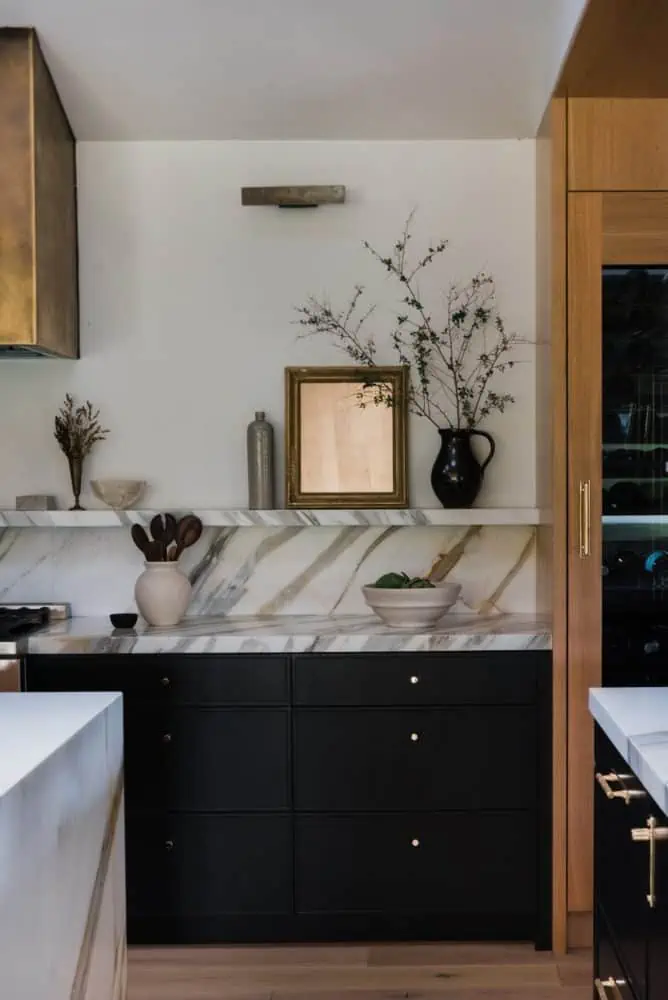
[188, 532]
[155, 552]
[139, 537]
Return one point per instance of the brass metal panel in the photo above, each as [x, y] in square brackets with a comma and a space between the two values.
[55, 218]
[617, 144]
[338, 452]
[304, 196]
[10, 675]
[17, 293]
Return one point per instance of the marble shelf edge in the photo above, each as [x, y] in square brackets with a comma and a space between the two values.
[240, 518]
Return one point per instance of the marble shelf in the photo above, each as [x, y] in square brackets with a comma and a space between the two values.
[222, 518]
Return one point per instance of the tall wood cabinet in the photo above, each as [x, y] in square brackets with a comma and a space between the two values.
[609, 354]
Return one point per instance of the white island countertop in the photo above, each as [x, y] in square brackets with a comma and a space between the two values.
[62, 857]
[34, 726]
[294, 634]
[635, 720]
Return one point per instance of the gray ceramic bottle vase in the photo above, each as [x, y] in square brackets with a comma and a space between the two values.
[260, 448]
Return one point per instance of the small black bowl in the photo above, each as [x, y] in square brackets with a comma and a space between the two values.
[124, 620]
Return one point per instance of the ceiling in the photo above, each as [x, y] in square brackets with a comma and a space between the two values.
[301, 69]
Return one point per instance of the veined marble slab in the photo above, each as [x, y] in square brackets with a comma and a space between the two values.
[293, 634]
[62, 854]
[276, 570]
[240, 518]
[635, 720]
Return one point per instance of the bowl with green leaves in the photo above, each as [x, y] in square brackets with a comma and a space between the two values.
[404, 601]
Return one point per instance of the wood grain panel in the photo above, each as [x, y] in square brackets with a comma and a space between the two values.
[559, 527]
[635, 227]
[617, 144]
[55, 216]
[618, 50]
[17, 298]
[585, 247]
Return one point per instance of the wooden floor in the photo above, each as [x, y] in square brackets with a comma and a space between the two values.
[376, 972]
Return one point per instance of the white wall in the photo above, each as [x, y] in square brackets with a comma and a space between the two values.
[186, 301]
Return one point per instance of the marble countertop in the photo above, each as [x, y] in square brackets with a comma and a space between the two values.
[293, 634]
[635, 720]
[33, 726]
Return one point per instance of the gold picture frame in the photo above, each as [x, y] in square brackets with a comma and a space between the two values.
[340, 451]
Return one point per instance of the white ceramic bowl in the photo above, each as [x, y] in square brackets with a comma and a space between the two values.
[120, 494]
[416, 608]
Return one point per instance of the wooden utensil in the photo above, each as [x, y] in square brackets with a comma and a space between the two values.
[139, 537]
[188, 532]
[155, 552]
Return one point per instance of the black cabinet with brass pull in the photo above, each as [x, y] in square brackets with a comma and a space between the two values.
[330, 797]
[631, 883]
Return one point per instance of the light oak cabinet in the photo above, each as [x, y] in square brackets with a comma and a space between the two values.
[609, 350]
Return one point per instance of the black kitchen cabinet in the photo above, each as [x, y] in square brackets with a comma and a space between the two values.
[631, 883]
[330, 797]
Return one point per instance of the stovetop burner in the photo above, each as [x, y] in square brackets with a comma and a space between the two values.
[15, 621]
[18, 620]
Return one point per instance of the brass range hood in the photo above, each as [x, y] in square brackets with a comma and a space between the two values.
[39, 308]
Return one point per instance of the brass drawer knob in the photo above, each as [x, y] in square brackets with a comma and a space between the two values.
[169, 845]
[415, 679]
[415, 842]
[165, 681]
[167, 738]
[415, 737]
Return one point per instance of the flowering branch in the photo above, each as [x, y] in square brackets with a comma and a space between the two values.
[453, 367]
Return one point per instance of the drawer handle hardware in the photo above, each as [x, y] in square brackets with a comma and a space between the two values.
[165, 681]
[602, 985]
[169, 845]
[415, 737]
[626, 794]
[585, 519]
[415, 679]
[415, 842]
[167, 738]
[650, 834]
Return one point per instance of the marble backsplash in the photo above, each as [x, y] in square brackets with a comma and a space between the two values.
[281, 570]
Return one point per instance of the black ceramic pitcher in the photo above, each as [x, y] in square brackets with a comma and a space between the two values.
[457, 474]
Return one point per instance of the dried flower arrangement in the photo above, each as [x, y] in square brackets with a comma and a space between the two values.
[77, 429]
[452, 362]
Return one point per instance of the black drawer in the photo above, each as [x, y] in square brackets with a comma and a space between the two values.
[415, 759]
[196, 866]
[207, 759]
[621, 866]
[173, 679]
[464, 863]
[417, 679]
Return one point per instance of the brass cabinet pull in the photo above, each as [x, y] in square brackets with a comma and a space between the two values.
[167, 738]
[415, 679]
[626, 794]
[415, 737]
[650, 834]
[603, 985]
[169, 845]
[585, 519]
[165, 682]
[415, 842]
